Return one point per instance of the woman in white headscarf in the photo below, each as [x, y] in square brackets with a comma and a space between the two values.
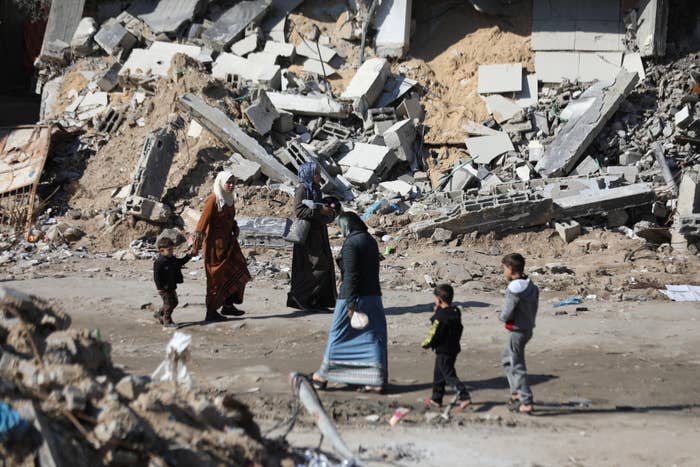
[225, 265]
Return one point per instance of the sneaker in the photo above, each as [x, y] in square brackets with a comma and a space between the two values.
[231, 311]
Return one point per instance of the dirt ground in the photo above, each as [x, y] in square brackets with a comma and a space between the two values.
[616, 384]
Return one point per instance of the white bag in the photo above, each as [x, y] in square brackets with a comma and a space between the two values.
[359, 320]
[174, 367]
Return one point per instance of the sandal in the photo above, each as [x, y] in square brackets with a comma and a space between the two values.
[526, 411]
[372, 389]
[462, 406]
[318, 383]
[431, 403]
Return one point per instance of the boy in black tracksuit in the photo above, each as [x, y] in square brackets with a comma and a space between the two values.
[167, 273]
[444, 336]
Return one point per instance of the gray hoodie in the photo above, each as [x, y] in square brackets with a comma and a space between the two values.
[520, 308]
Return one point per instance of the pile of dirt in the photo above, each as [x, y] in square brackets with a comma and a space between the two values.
[70, 404]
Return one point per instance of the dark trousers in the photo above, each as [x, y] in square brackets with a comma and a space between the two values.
[169, 303]
[445, 373]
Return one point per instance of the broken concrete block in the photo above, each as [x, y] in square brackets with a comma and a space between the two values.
[245, 46]
[280, 49]
[395, 87]
[261, 113]
[229, 65]
[593, 202]
[109, 78]
[630, 157]
[55, 52]
[236, 139]
[398, 187]
[528, 96]
[194, 130]
[362, 178]
[144, 64]
[505, 77]
[244, 170]
[318, 68]
[114, 38]
[368, 81]
[81, 43]
[493, 212]
[633, 63]
[285, 122]
[393, 22]
[263, 58]
[535, 151]
[630, 173]
[689, 194]
[309, 50]
[231, 25]
[477, 129]
[501, 108]
[484, 149]
[575, 136]
[378, 159]
[688, 226]
[310, 104]
[588, 166]
[411, 108]
[441, 236]
[568, 230]
[683, 118]
[400, 137]
[462, 179]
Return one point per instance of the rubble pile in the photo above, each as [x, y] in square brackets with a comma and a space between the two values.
[77, 408]
[180, 93]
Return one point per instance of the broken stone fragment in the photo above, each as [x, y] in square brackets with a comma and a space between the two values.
[441, 235]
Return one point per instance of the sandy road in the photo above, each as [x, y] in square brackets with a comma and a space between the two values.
[615, 385]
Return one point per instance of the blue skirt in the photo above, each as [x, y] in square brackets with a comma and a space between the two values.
[356, 356]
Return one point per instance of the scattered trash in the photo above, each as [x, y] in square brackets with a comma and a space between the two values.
[398, 415]
[575, 300]
[174, 366]
[682, 293]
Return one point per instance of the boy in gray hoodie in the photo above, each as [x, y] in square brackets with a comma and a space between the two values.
[518, 314]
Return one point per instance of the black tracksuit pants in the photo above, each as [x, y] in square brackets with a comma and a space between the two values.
[444, 374]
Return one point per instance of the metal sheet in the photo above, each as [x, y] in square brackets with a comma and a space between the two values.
[23, 152]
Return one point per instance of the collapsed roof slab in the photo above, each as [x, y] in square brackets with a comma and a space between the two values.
[311, 50]
[166, 16]
[232, 23]
[368, 81]
[573, 138]
[393, 21]
[502, 77]
[593, 202]
[235, 138]
[310, 105]
[378, 159]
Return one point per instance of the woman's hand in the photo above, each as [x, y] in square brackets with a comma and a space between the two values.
[196, 240]
[328, 212]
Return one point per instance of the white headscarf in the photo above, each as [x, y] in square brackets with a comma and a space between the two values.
[223, 197]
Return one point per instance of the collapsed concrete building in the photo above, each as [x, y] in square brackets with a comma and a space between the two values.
[566, 123]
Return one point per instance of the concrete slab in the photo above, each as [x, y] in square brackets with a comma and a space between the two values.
[599, 36]
[528, 96]
[393, 23]
[231, 25]
[396, 86]
[574, 137]
[652, 27]
[399, 187]
[595, 202]
[362, 178]
[228, 64]
[263, 58]
[368, 81]
[477, 129]
[400, 137]
[244, 170]
[63, 20]
[633, 62]
[311, 104]
[318, 68]
[245, 46]
[166, 16]
[411, 108]
[630, 173]
[114, 38]
[599, 66]
[261, 113]
[235, 138]
[501, 108]
[308, 49]
[689, 193]
[557, 34]
[504, 77]
[280, 49]
[378, 159]
[154, 61]
[274, 22]
[484, 149]
[81, 42]
[553, 67]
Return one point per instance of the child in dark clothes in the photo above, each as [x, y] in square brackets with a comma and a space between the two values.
[167, 273]
[444, 336]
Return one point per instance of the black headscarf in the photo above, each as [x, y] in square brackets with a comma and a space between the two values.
[350, 223]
